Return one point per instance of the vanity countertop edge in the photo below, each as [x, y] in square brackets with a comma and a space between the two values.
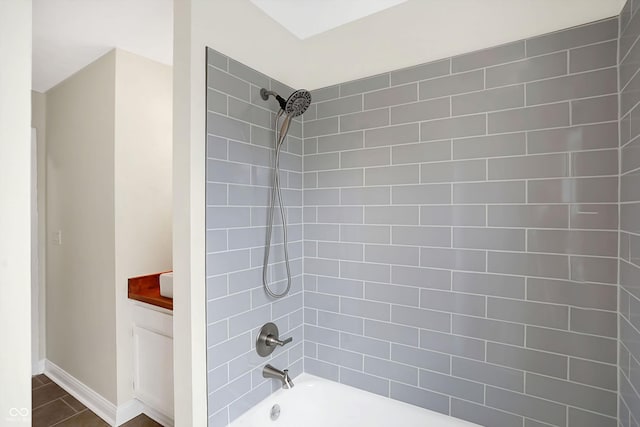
[147, 289]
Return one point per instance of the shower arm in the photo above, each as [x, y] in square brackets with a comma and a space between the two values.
[265, 94]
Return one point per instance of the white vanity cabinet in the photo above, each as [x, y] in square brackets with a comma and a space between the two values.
[153, 357]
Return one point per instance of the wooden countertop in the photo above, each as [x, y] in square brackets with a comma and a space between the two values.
[147, 289]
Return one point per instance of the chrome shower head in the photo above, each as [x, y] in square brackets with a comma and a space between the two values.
[298, 103]
[295, 105]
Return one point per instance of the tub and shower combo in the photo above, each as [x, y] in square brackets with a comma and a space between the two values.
[432, 246]
[315, 402]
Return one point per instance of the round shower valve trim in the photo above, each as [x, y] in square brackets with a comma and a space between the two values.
[268, 339]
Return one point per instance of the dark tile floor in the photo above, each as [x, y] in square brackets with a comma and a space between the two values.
[52, 406]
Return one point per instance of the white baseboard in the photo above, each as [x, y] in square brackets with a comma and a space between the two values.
[158, 417]
[37, 368]
[88, 397]
[128, 411]
[110, 413]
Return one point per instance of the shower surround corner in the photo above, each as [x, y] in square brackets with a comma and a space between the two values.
[240, 143]
[461, 232]
[629, 254]
[453, 228]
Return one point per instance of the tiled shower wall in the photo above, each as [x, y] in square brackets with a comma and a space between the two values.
[629, 82]
[239, 156]
[461, 232]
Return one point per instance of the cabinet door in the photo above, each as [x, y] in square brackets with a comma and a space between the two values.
[153, 369]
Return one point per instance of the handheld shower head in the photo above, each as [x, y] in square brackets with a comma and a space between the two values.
[298, 103]
[295, 105]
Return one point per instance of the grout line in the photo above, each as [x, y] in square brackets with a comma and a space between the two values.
[626, 55]
[446, 118]
[72, 416]
[74, 409]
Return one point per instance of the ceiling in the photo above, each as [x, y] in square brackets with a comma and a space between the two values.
[306, 18]
[70, 34]
[345, 39]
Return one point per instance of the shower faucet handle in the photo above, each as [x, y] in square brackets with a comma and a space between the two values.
[268, 339]
[275, 341]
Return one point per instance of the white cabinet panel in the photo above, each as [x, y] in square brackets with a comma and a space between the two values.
[153, 359]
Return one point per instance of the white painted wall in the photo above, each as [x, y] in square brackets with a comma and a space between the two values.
[15, 251]
[240, 30]
[421, 31]
[81, 307]
[70, 34]
[197, 24]
[109, 190]
[411, 33]
[35, 287]
[38, 121]
[189, 342]
[143, 188]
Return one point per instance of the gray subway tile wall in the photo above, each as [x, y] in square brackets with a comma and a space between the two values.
[472, 270]
[454, 233]
[239, 155]
[629, 205]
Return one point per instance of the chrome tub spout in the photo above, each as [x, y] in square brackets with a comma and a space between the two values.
[271, 372]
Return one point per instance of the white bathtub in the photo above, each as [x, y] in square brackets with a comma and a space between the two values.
[316, 402]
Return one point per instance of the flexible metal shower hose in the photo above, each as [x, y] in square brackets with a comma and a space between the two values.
[276, 196]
